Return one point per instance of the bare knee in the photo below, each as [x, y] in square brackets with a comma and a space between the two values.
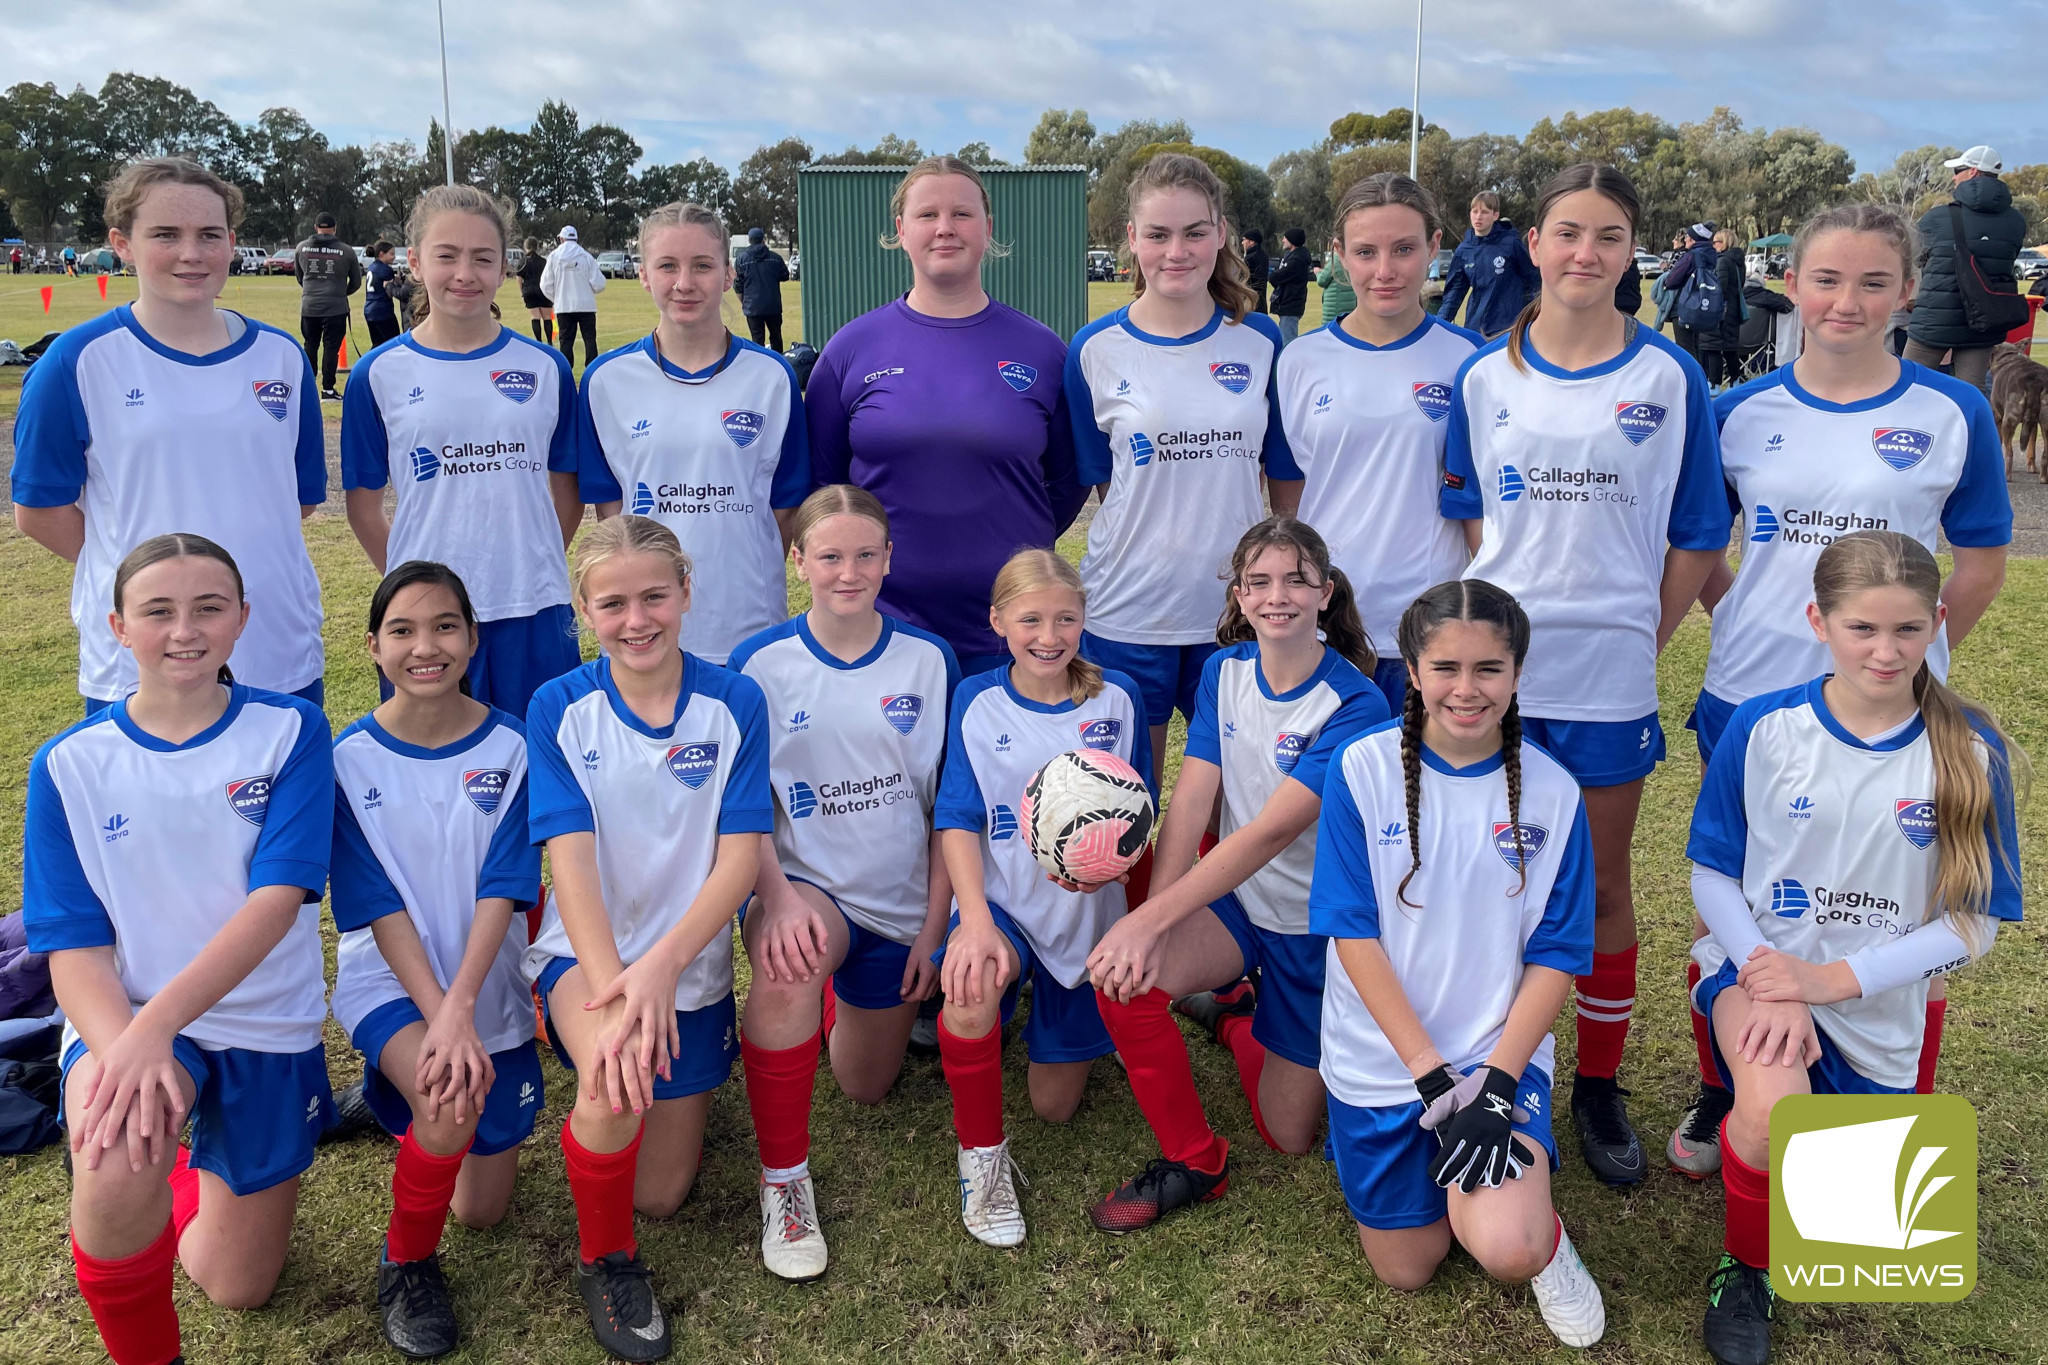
[866, 1087]
[598, 1129]
[1295, 1137]
[236, 1286]
[479, 1214]
[663, 1200]
[1512, 1254]
[1405, 1273]
[1055, 1108]
[443, 1136]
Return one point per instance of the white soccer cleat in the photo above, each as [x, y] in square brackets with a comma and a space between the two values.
[988, 1195]
[792, 1243]
[1569, 1298]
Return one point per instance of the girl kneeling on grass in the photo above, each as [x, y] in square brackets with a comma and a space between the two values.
[1454, 876]
[650, 790]
[176, 846]
[1274, 705]
[432, 862]
[1809, 1003]
[1011, 921]
[852, 887]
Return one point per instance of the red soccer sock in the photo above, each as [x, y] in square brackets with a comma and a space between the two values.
[184, 1191]
[130, 1300]
[974, 1073]
[779, 1085]
[828, 1013]
[1702, 1030]
[1748, 1191]
[1234, 1031]
[422, 1187]
[1930, 1045]
[1208, 842]
[1156, 1058]
[1140, 884]
[601, 1183]
[1607, 997]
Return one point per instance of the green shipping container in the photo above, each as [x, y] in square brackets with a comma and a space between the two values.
[1041, 214]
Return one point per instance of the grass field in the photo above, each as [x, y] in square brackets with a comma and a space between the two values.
[1271, 1273]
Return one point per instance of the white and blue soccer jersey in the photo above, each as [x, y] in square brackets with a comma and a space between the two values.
[150, 847]
[853, 752]
[1473, 918]
[1833, 840]
[1367, 426]
[658, 799]
[711, 455]
[995, 740]
[149, 440]
[1180, 429]
[472, 437]
[1260, 738]
[1922, 457]
[1583, 479]
[428, 833]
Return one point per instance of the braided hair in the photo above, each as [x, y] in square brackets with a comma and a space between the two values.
[1478, 601]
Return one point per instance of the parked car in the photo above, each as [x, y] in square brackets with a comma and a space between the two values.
[514, 258]
[1441, 264]
[615, 265]
[1648, 265]
[283, 261]
[2031, 265]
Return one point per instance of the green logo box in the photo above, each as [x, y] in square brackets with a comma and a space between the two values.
[1873, 1198]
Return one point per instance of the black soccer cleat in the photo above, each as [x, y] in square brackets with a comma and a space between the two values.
[352, 1118]
[1740, 1306]
[1159, 1189]
[1211, 1008]
[412, 1299]
[1605, 1136]
[625, 1315]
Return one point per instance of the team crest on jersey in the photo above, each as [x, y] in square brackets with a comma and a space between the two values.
[1101, 733]
[1017, 374]
[902, 712]
[485, 787]
[1640, 421]
[249, 797]
[1901, 447]
[274, 396]
[693, 764]
[1288, 747]
[1233, 375]
[1915, 815]
[742, 426]
[517, 385]
[1434, 400]
[1533, 839]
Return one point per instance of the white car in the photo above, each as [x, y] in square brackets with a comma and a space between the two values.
[2031, 265]
[1648, 265]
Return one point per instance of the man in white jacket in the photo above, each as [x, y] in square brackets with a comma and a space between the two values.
[572, 282]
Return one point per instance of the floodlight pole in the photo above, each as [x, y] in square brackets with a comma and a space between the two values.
[448, 121]
[1414, 104]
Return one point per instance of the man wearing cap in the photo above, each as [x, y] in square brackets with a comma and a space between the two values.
[1994, 232]
[329, 271]
[758, 275]
[572, 282]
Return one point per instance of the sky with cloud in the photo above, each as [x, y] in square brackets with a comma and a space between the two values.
[690, 78]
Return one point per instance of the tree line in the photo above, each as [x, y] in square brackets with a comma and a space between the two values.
[57, 149]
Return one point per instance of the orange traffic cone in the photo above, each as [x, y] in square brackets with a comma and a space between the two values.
[47, 292]
[342, 364]
[103, 289]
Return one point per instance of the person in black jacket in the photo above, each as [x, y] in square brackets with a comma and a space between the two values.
[1721, 347]
[1290, 284]
[539, 311]
[758, 275]
[380, 306]
[1996, 232]
[1256, 264]
[329, 271]
[1695, 248]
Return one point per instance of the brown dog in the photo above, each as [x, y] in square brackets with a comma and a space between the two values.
[2019, 405]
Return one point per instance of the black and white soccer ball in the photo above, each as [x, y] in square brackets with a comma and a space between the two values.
[1087, 815]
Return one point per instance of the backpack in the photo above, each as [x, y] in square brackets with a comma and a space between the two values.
[802, 357]
[1984, 309]
[1701, 303]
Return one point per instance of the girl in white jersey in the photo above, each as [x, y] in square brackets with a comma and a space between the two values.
[1010, 920]
[175, 847]
[1847, 437]
[1289, 686]
[650, 790]
[851, 887]
[170, 414]
[1366, 401]
[475, 426]
[1582, 459]
[432, 864]
[1897, 861]
[1453, 876]
[701, 431]
[1174, 424]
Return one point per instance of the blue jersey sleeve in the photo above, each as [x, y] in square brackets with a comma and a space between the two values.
[595, 481]
[1459, 499]
[361, 890]
[828, 419]
[1699, 505]
[959, 804]
[747, 805]
[297, 838]
[512, 861]
[51, 434]
[2001, 829]
[1978, 513]
[1341, 899]
[1564, 936]
[1275, 455]
[1065, 493]
[60, 909]
[562, 441]
[365, 443]
[309, 457]
[555, 803]
[1720, 818]
[792, 482]
[1094, 464]
[1361, 710]
[1204, 728]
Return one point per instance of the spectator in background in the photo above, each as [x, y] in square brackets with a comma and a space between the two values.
[1290, 284]
[542, 314]
[1721, 346]
[1334, 280]
[1996, 232]
[571, 282]
[1490, 272]
[1628, 291]
[328, 272]
[1257, 263]
[14, 261]
[380, 306]
[758, 276]
[1695, 248]
[71, 261]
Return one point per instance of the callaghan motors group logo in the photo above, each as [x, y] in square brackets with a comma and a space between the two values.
[1873, 1198]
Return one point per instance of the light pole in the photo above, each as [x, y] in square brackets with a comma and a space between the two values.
[448, 122]
[1414, 103]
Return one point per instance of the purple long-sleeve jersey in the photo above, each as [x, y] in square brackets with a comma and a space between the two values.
[960, 427]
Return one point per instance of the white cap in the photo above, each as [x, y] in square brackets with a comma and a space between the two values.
[568, 233]
[1978, 158]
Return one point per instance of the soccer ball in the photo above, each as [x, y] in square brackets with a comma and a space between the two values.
[1087, 815]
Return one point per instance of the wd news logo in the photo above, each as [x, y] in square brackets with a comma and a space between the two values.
[1873, 1198]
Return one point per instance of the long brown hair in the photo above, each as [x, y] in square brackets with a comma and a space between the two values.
[1338, 620]
[442, 199]
[1607, 181]
[1229, 280]
[1390, 187]
[176, 545]
[1032, 571]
